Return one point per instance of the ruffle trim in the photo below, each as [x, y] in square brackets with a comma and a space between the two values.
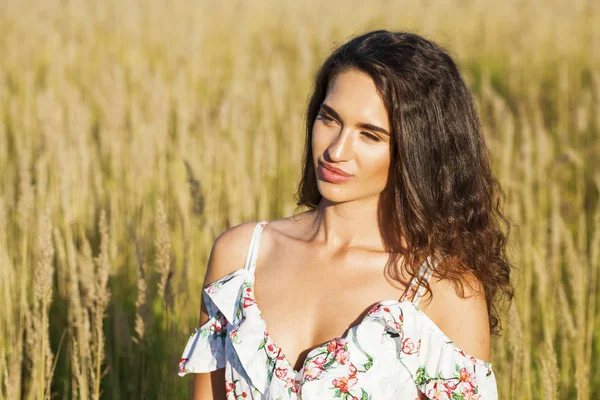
[205, 349]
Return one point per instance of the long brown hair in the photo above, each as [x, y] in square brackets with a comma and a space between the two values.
[441, 195]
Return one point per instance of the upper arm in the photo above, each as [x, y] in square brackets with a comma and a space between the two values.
[227, 254]
[464, 320]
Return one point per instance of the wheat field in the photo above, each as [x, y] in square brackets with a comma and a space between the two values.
[133, 133]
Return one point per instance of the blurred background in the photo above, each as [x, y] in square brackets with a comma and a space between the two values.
[132, 133]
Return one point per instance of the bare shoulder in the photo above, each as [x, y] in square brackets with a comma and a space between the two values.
[277, 234]
[464, 319]
[229, 251]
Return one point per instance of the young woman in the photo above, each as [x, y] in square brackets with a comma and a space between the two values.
[387, 287]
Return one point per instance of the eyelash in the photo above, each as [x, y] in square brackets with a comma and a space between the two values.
[327, 120]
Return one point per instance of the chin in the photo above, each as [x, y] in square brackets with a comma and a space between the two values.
[334, 193]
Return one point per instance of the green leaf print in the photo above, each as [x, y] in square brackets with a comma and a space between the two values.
[330, 361]
[365, 395]
[457, 396]
[422, 376]
[368, 364]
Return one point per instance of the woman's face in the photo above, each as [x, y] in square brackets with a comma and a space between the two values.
[351, 132]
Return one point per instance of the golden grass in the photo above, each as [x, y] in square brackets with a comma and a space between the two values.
[132, 134]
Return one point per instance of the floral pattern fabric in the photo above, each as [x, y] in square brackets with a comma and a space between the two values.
[395, 352]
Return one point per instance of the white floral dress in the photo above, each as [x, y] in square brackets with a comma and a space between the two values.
[395, 352]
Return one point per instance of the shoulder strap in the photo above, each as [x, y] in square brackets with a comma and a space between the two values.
[254, 245]
[425, 272]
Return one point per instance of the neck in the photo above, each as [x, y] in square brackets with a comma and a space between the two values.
[340, 226]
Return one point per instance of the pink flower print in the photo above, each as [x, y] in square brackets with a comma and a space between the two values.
[271, 348]
[314, 369]
[248, 298]
[272, 354]
[450, 385]
[374, 309]
[295, 386]
[409, 347]
[341, 354]
[319, 361]
[331, 346]
[290, 381]
[248, 302]
[229, 387]
[341, 357]
[313, 372]
[395, 324]
[210, 290]
[468, 391]
[352, 380]
[439, 392]
[341, 384]
[466, 377]
[352, 370]
[345, 383]
[281, 372]
[467, 384]
[470, 395]
[475, 360]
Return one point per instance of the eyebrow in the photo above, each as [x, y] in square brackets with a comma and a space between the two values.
[360, 124]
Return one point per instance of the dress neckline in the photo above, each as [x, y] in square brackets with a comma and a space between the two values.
[381, 305]
[320, 346]
[250, 267]
[243, 314]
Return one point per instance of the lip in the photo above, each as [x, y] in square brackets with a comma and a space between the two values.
[333, 174]
[338, 171]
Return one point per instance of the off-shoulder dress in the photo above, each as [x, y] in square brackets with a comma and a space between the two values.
[395, 352]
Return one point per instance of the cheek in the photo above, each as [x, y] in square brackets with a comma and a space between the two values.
[375, 165]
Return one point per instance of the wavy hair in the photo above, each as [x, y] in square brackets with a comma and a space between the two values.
[441, 195]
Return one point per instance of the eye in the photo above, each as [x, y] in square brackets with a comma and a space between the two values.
[327, 120]
[372, 137]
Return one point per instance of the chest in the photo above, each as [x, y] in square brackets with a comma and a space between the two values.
[307, 299]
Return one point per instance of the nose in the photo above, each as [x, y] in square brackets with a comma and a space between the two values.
[340, 148]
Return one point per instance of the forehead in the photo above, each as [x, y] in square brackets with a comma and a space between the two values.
[354, 96]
